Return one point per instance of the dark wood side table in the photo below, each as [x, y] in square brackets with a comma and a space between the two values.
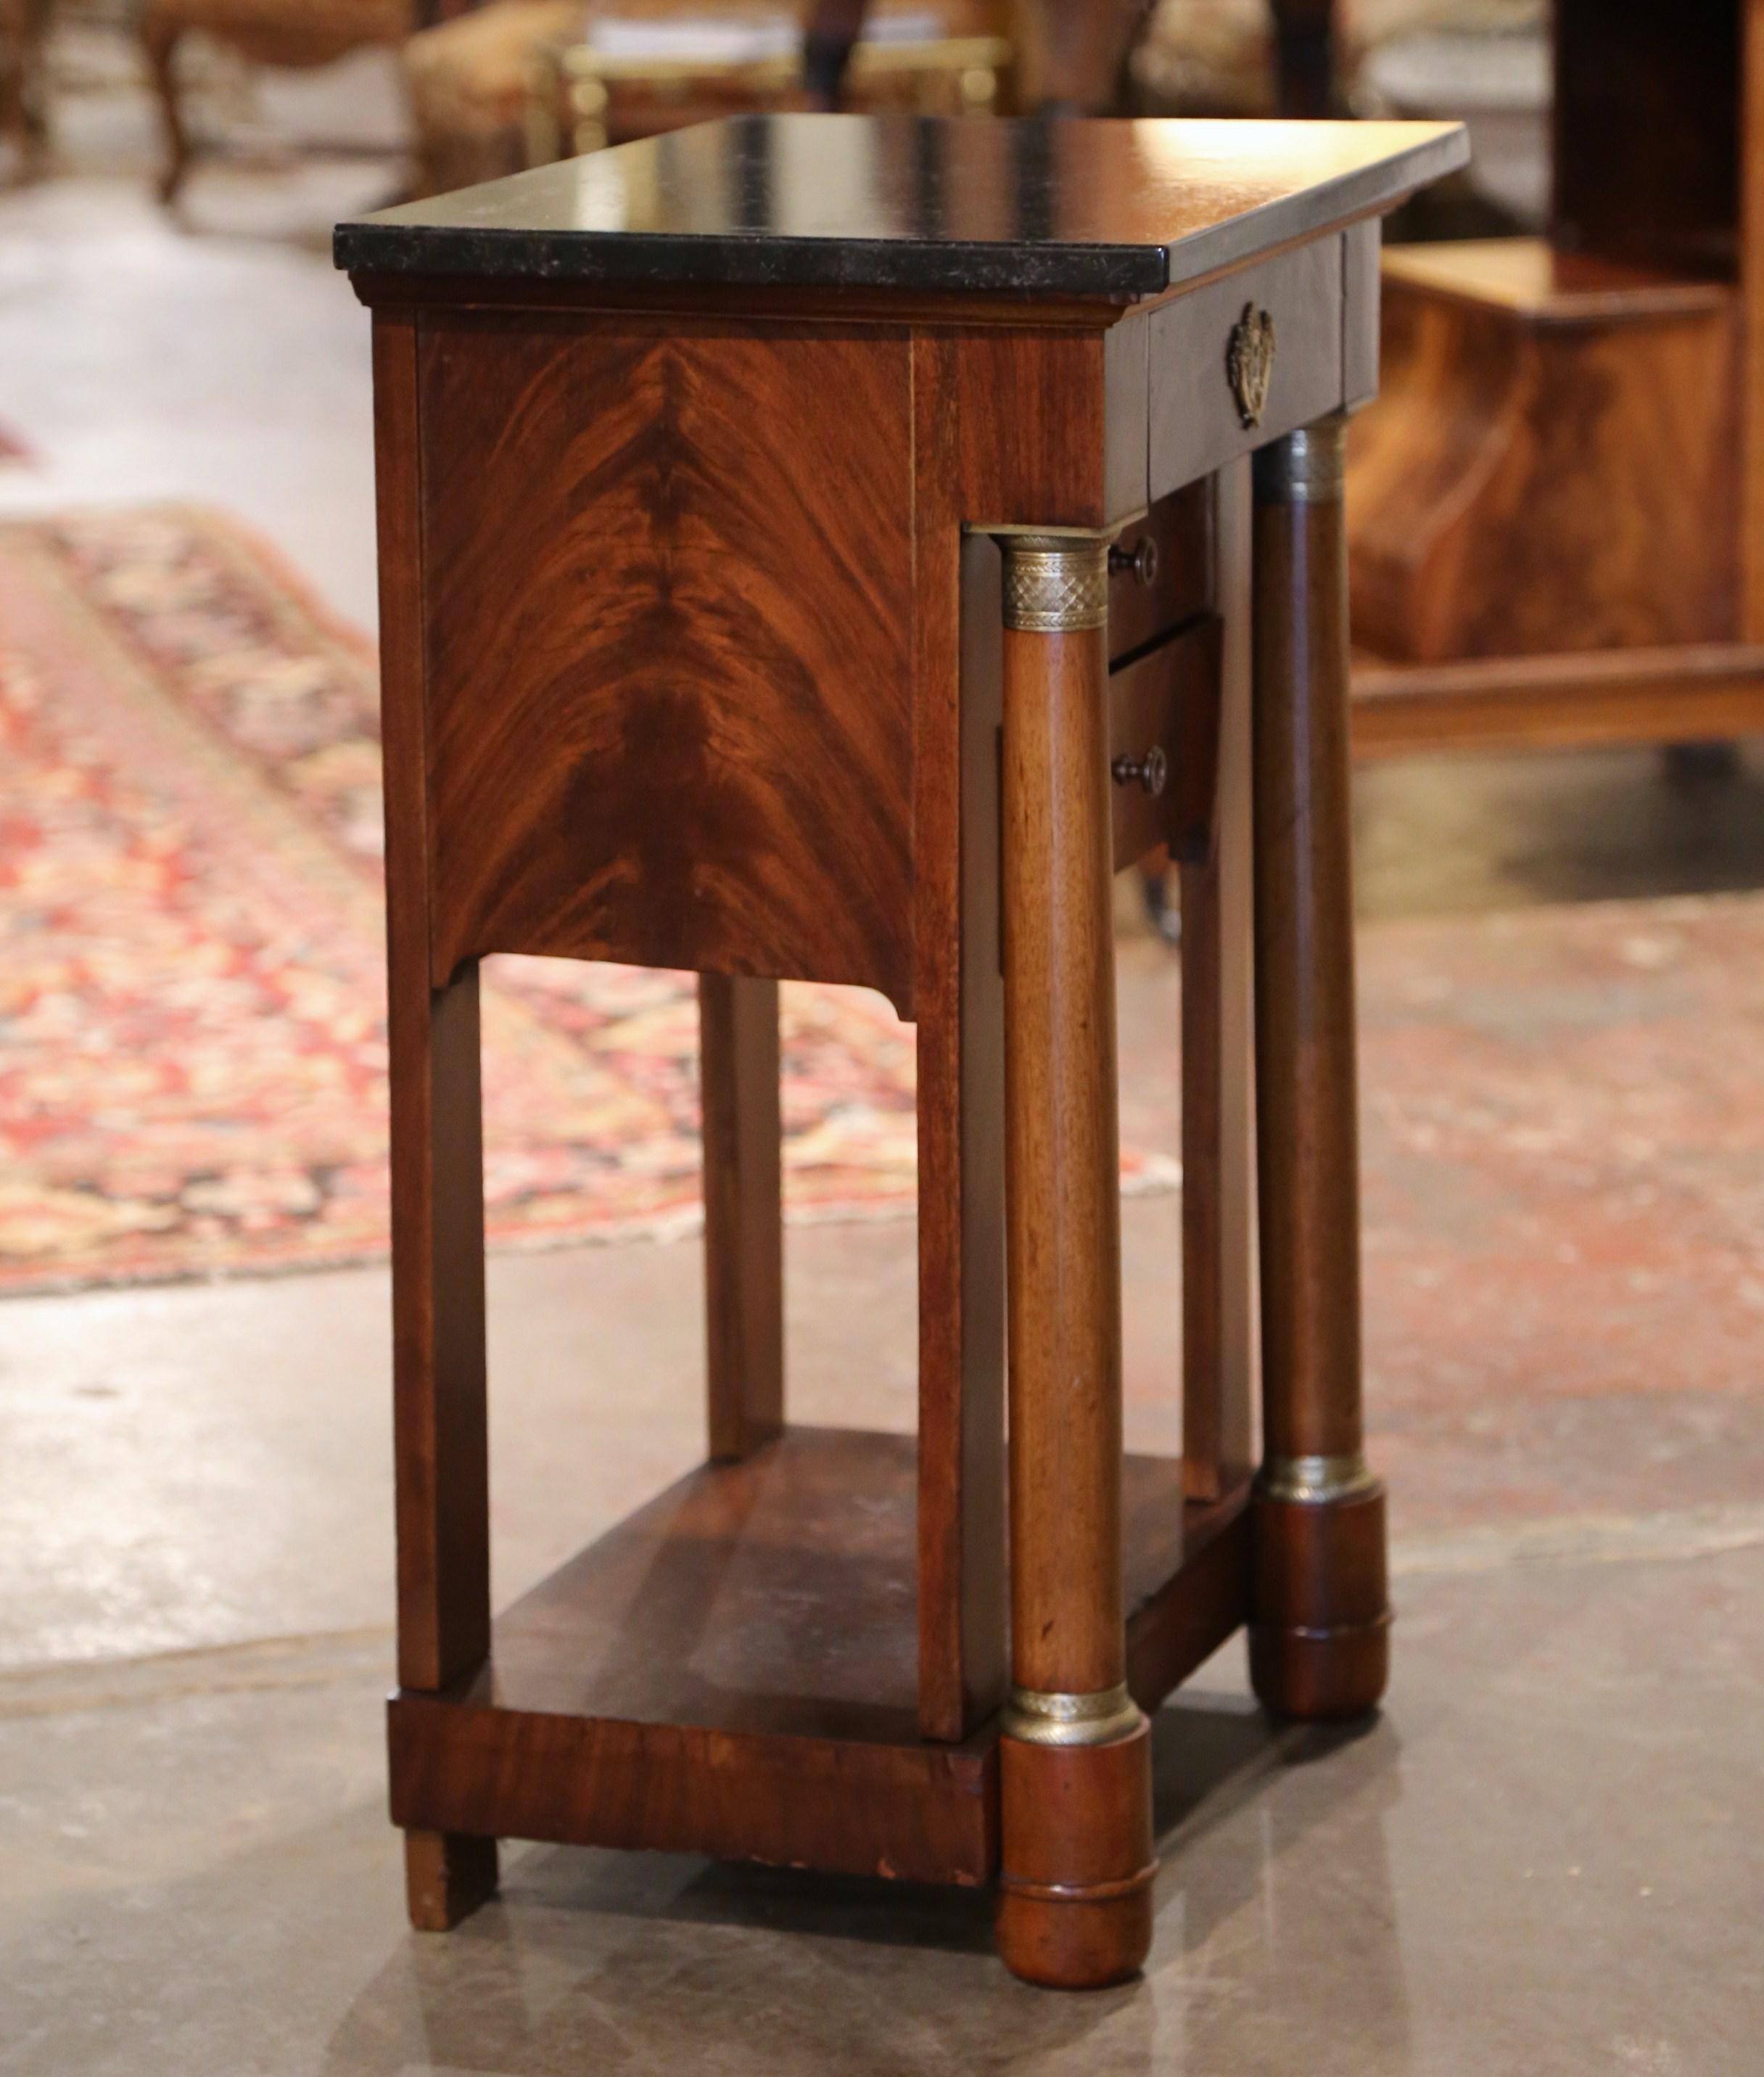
[816, 547]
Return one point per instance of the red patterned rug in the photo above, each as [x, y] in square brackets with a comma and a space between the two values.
[192, 1050]
[192, 1057]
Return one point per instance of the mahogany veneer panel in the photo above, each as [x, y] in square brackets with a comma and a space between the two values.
[1032, 431]
[1546, 472]
[771, 1595]
[733, 1671]
[924, 1813]
[669, 659]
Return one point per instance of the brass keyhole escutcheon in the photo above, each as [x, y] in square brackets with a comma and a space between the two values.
[1249, 363]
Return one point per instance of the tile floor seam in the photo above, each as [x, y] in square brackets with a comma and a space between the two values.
[317, 1659]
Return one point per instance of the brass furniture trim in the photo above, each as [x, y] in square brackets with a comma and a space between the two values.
[1249, 363]
[1038, 1719]
[1308, 467]
[1316, 1481]
[1055, 584]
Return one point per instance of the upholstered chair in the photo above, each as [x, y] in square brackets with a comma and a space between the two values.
[279, 32]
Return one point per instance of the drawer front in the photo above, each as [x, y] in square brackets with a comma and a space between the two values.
[1160, 570]
[1197, 422]
[1163, 740]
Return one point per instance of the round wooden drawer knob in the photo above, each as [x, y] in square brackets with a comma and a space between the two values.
[1142, 560]
[1151, 772]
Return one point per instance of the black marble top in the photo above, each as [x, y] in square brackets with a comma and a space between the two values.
[1124, 208]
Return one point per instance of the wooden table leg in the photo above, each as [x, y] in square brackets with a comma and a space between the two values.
[160, 40]
[1319, 1613]
[1218, 869]
[1075, 1756]
[439, 1439]
[439, 1411]
[738, 1023]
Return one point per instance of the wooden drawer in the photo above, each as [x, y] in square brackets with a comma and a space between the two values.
[1196, 425]
[1160, 571]
[1165, 706]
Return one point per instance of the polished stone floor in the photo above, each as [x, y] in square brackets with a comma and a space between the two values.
[1546, 1857]
[1544, 1860]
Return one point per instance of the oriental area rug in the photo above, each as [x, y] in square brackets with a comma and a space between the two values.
[192, 1000]
[192, 1045]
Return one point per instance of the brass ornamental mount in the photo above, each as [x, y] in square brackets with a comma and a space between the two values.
[1249, 363]
[1316, 1480]
[1038, 1719]
[1055, 583]
[1309, 467]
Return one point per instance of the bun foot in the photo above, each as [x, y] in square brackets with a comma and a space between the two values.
[1075, 1902]
[1319, 1625]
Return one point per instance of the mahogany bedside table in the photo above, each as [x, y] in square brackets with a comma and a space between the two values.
[823, 547]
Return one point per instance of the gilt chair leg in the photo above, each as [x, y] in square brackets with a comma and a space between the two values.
[159, 42]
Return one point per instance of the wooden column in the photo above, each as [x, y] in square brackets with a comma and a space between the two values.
[738, 1050]
[439, 1412]
[1320, 1614]
[1075, 1756]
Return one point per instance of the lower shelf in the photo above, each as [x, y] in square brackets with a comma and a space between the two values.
[732, 1670]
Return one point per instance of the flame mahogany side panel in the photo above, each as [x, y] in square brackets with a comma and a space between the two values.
[670, 655]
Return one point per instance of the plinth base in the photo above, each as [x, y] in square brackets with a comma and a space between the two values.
[733, 1671]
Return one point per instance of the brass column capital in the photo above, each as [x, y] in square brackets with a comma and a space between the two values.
[1055, 584]
[1309, 467]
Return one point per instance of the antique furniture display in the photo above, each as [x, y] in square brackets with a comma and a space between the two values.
[520, 82]
[1072, 53]
[821, 546]
[590, 91]
[23, 119]
[470, 83]
[1304, 57]
[295, 33]
[1559, 502]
